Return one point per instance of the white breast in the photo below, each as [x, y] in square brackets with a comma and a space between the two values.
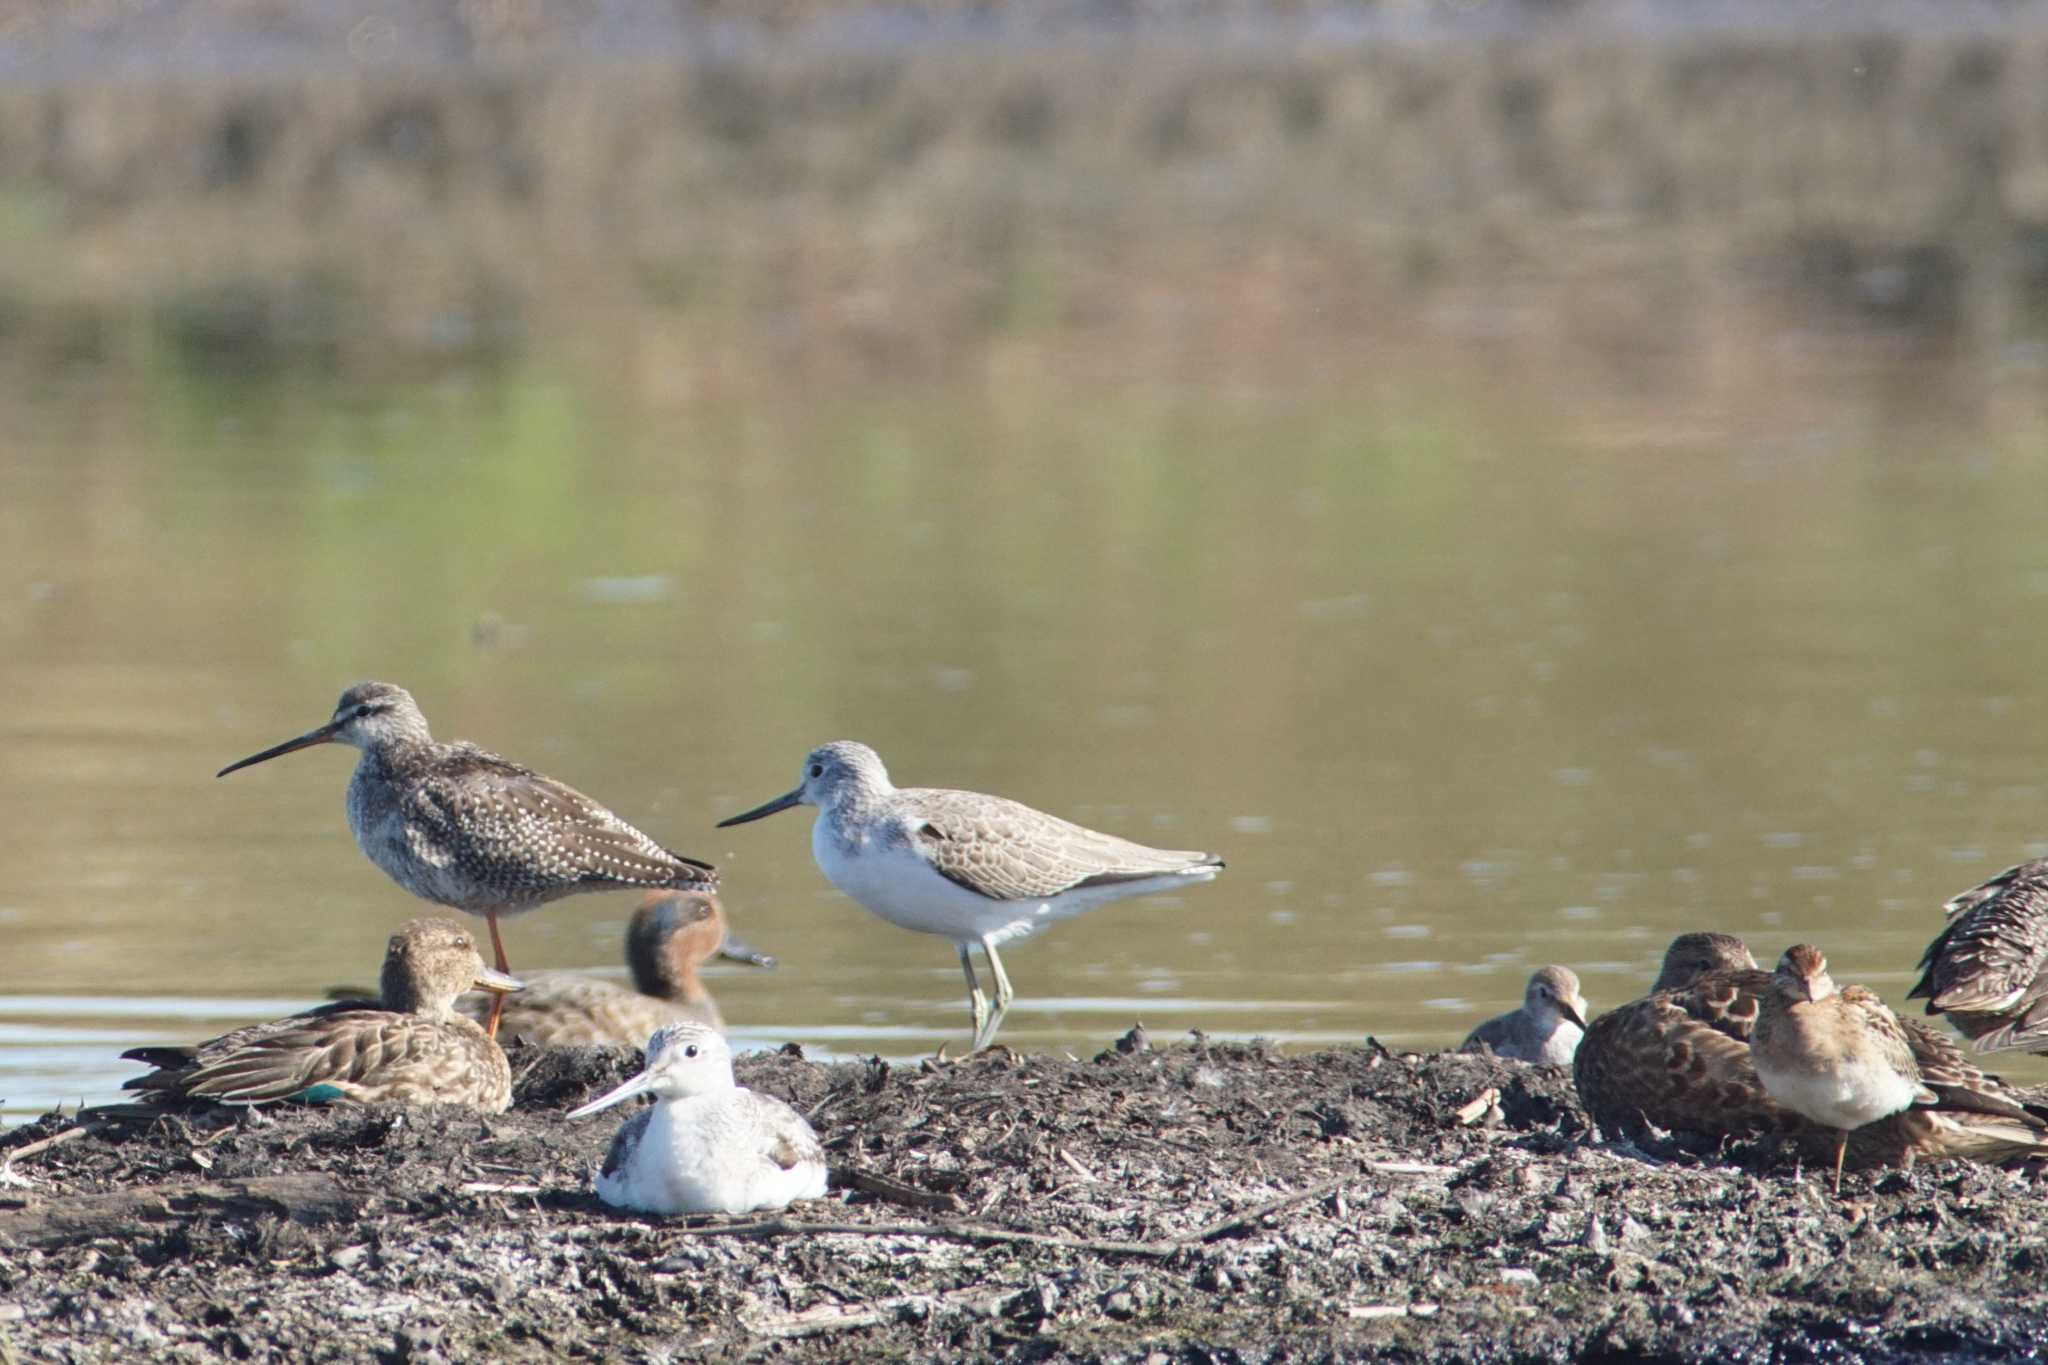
[707, 1154]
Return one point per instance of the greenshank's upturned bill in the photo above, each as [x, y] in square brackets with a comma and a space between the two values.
[707, 1145]
[464, 828]
[409, 1046]
[1545, 1030]
[977, 869]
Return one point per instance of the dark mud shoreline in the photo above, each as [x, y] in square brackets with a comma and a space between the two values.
[1191, 1203]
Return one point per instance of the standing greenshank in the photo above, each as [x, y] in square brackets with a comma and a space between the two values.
[409, 1046]
[708, 1145]
[973, 868]
[464, 828]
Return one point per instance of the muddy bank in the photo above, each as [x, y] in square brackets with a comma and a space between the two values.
[1196, 1202]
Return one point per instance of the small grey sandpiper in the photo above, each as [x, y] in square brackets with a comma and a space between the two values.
[464, 828]
[1547, 1028]
[408, 1046]
[977, 869]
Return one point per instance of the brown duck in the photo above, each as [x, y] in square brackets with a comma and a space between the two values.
[408, 1047]
[671, 935]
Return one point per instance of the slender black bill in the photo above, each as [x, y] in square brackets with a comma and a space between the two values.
[323, 735]
[1571, 1012]
[784, 802]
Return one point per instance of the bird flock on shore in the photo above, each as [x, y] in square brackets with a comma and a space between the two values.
[1718, 1048]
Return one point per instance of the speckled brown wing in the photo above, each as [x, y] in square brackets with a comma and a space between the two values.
[364, 1057]
[528, 838]
[172, 1062]
[1727, 1002]
[1988, 969]
[1008, 851]
[1885, 1030]
[1654, 1060]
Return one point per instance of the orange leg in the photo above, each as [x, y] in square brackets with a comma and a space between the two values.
[498, 998]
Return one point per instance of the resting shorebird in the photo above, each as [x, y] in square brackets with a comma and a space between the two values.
[1988, 969]
[1840, 1057]
[1545, 1030]
[708, 1145]
[977, 869]
[408, 1046]
[671, 935]
[464, 828]
[1680, 1059]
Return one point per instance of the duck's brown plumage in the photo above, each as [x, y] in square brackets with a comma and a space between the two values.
[408, 1047]
[670, 936]
[1678, 1059]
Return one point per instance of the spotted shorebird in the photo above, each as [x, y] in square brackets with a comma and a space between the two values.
[1988, 969]
[1545, 1030]
[671, 935]
[409, 1046]
[708, 1145]
[464, 828]
[1680, 1059]
[977, 869]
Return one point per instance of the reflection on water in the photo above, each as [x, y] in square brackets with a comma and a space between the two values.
[1459, 679]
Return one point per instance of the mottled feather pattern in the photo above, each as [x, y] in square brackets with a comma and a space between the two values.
[561, 1008]
[1988, 968]
[629, 1136]
[1679, 1059]
[365, 1054]
[517, 838]
[1005, 850]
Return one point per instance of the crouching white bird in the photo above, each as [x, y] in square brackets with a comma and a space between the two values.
[707, 1145]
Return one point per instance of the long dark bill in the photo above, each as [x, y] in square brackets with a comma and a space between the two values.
[323, 735]
[783, 802]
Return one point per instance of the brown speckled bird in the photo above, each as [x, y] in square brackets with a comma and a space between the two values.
[409, 1046]
[671, 935]
[1988, 969]
[1679, 1059]
[464, 828]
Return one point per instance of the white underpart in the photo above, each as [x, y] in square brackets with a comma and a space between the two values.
[708, 1154]
[894, 881]
[1841, 1097]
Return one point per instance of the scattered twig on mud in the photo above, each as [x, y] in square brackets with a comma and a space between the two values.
[895, 1191]
[493, 1187]
[1408, 1168]
[1369, 1311]
[300, 1198]
[1254, 1215]
[975, 1232]
[828, 1318]
[1079, 1169]
[7, 1175]
[1476, 1109]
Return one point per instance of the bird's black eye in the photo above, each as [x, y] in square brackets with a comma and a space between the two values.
[817, 770]
[363, 709]
[690, 1051]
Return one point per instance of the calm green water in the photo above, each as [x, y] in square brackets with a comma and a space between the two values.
[1457, 685]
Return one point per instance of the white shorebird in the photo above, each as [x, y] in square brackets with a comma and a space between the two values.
[977, 869]
[1547, 1028]
[708, 1145]
[1841, 1058]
